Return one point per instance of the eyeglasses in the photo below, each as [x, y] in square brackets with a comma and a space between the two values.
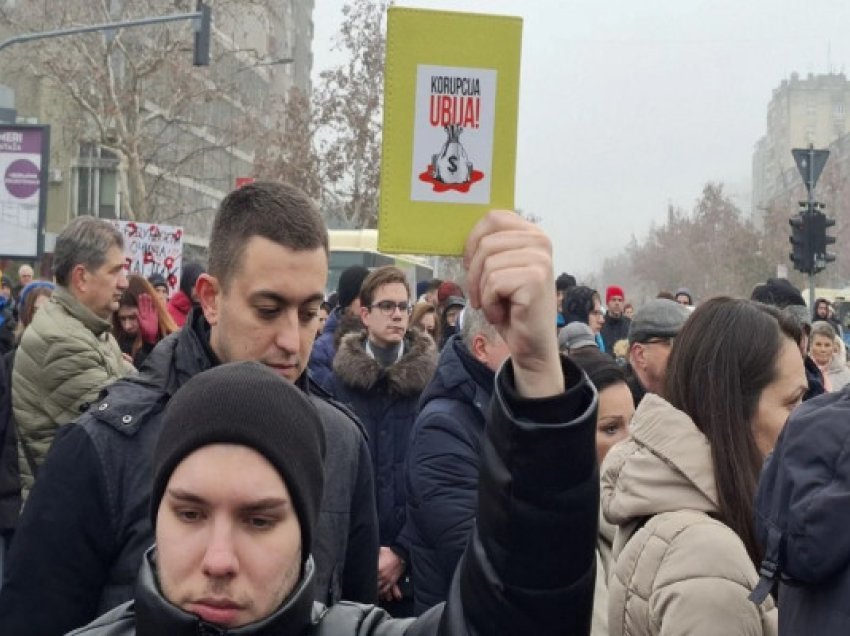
[667, 341]
[388, 307]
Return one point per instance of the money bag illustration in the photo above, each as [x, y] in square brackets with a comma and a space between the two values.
[452, 165]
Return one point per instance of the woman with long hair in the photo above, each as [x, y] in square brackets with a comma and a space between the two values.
[141, 321]
[424, 318]
[681, 488]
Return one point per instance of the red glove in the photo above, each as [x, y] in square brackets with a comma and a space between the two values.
[148, 320]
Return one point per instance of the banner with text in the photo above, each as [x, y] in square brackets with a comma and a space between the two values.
[451, 94]
[151, 249]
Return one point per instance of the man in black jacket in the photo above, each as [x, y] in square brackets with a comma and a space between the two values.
[445, 455]
[529, 567]
[82, 536]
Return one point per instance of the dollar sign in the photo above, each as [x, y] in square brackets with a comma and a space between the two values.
[452, 164]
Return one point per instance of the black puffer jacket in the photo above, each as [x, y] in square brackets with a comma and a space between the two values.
[803, 516]
[442, 470]
[530, 565]
[86, 527]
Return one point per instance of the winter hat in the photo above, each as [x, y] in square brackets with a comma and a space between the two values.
[576, 335]
[189, 276]
[245, 403]
[684, 291]
[778, 292]
[613, 290]
[158, 280]
[22, 299]
[659, 318]
[350, 282]
[446, 290]
[454, 301]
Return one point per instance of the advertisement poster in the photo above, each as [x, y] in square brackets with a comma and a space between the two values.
[153, 249]
[451, 99]
[24, 151]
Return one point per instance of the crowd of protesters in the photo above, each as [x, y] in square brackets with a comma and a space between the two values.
[453, 457]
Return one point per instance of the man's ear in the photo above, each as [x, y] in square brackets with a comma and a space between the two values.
[479, 349]
[78, 280]
[209, 292]
[636, 357]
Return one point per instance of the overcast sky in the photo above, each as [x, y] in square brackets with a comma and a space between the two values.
[627, 106]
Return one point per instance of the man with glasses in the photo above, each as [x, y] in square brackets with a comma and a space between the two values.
[380, 373]
[651, 335]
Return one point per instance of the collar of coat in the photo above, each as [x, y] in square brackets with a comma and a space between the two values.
[156, 616]
[91, 321]
[358, 370]
[665, 465]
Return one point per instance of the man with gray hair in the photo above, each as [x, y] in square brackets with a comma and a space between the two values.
[67, 355]
[444, 456]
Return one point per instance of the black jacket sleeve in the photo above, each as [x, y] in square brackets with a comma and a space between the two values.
[58, 562]
[530, 565]
[360, 576]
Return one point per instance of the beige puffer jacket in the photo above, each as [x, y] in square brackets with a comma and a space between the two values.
[683, 572]
[66, 356]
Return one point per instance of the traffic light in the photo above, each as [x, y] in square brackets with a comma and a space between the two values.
[201, 54]
[801, 246]
[820, 239]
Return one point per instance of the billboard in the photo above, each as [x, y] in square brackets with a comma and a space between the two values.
[24, 156]
[151, 249]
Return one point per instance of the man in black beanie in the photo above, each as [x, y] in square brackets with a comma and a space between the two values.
[346, 317]
[234, 503]
[258, 301]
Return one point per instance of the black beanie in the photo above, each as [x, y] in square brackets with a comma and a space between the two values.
[350, 282]
[189, 276]
[246, 403]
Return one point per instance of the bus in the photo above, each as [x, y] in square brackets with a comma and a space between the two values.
[360, 247]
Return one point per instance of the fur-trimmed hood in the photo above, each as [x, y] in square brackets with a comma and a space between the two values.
[358, 370]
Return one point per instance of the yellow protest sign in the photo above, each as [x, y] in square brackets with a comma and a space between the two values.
[451, 97]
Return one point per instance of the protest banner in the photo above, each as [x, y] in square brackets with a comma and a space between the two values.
[451, 98]
[153, 249]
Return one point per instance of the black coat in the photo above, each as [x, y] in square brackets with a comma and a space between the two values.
[530, 565]
[82, 534]
[386, 401]
[803, 517]
[613, 330]
[10, 476]
[442, 470]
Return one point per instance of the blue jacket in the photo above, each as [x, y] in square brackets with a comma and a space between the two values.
[386, 401]
[324, 350]
[803, 517]
[442, 470]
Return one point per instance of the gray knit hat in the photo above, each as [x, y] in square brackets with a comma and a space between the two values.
[659, 318]
[576, 335]
[246, 403]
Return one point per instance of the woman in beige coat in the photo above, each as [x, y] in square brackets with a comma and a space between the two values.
[681, 488]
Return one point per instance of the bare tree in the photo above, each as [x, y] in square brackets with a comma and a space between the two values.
[135, 93]
[348, 110]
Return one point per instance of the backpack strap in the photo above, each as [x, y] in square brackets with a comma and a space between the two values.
[770, 570]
